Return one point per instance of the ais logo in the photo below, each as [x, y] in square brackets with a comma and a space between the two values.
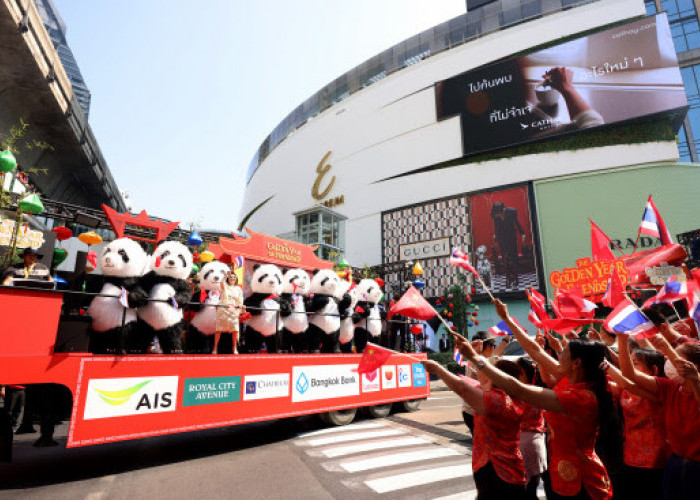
[119, 397]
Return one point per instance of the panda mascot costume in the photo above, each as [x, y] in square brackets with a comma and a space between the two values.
[295, 289]
[264, 307]
[324, 323]
[123, 261]
[168, 293]
[202, 329]
[347, 297]
[368, 318]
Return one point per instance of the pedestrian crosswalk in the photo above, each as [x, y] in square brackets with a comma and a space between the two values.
[384, 459]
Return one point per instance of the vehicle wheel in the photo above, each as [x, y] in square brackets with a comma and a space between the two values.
[410, 406]
[377, 411]
[339, 417]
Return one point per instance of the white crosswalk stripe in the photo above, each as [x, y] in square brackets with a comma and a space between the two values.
[398, 459]
[341, 451]
[346, 428]
[417, 478]
[354, 436]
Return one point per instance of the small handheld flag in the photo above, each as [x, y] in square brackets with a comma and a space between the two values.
[373, 357]
[124, 299]
[458, 358]
[239, 262]
[501, 329]
[672, 291]
[173, 303]
[627, 319]
[571, 304]
[461, 259]
[615, 291]
[653, 225]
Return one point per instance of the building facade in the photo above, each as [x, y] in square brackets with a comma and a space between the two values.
[419, 149]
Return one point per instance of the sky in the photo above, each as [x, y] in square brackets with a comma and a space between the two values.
[184, 92]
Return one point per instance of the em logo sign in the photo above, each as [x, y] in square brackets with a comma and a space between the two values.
[120, 397]
[310, 383]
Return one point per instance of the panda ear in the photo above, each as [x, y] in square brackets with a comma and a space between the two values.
[315, 272]
[255, 267]
[285, 270]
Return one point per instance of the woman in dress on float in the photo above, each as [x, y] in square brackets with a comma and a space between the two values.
[679, 397]
[574, 409]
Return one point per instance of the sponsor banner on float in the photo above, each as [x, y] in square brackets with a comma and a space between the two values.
[211, 390]
[274, 385]
[404, 375]
[324, 382]
[621, 74]
[121, 397]
[370, 381]
[389, 377]
[419, 376]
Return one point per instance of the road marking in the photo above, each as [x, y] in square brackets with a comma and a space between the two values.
[463, 495]
[355, 436]
[456, 405]
[418, 478]
[341, 451]
[452, 396]
[95, 495]
[344, 428]
[398, 459]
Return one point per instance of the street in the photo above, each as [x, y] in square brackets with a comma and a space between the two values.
[421, 455]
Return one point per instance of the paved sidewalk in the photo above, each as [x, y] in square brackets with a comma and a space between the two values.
[438, 385]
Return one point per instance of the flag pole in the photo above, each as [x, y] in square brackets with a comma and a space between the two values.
[485, 287]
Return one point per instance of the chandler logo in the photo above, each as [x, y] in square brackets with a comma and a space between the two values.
[120, 397]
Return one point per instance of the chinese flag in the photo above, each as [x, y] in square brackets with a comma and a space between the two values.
[412, 305]
[372, 358]
[615, 292]
[564, 326]
[600, 244]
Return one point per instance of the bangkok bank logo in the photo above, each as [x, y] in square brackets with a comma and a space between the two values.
[302, 384]
[119, 397]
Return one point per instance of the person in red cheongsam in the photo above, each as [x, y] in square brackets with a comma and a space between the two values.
[577, 406]
[496, 460]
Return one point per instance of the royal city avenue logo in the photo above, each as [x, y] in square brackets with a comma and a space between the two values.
[120, 397]
[315, 382]
[273, 385]
[404, 375]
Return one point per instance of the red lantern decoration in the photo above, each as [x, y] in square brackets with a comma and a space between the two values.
[449, 314]
[451, 306]
[416, 329]
[473, 289]
[62, 233]
[476, 321]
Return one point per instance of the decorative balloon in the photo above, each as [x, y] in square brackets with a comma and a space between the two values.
[195, 239]
[60, 282]
[470, 324]
[449, 295]
[451, 306]
[195, 268]
[90, 238]
[417, 269]
[476, 321]
[62, 233]
[343, 264]
[449, 314]
[416, 329]
[8, 162]
[206, 256]
[419, 284]
[59, 255]
[31, 204]
[195, 256]
[476, 307]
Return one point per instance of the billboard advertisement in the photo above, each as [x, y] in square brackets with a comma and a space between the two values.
[613, 76]
[502, 240]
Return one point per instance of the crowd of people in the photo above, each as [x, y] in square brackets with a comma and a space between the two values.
[593, 416]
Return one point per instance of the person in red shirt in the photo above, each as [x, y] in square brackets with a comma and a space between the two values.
[532, 431]
[496, 460]
[574, 409]
[679, 396]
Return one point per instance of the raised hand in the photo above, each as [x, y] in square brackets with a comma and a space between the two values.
[501, 309]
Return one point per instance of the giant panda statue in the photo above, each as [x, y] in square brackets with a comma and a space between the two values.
[368, 317]
[347, 297]
[295, 289]
[168, 293]
[123, 261]
[202, 329]
[324, 323]
[264, 306]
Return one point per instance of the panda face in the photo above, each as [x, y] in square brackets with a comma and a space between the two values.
[296, 281]
[123, 258]
[324, 282]
[174, 259]
[370, 291]
[212, 275]
[267, 279]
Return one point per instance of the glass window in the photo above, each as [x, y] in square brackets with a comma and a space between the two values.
[650, 6]
[691, 78]
[683, 146]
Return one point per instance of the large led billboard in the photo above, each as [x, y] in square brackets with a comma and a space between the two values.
[617, 75]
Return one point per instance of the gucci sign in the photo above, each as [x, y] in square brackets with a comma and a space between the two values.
[425, 249]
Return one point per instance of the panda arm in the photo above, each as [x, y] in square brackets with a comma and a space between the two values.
[252, 303]
[183, 293]
[285, 305]
[362, 310]
[318, 302]
[345, 302]
[194, 305]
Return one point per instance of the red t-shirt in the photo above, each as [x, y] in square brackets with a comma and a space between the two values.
[682, 416]
[572, 435]
[497, 437]
[645, 432]
[533, 418]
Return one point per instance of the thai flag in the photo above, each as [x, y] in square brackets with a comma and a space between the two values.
[537, 310]
[672, 291]
[124, 299]
[460, 259]
[653, 225]
[627, 319]
[501, 329]
[694, 311]
[239, 262]
[458, 358]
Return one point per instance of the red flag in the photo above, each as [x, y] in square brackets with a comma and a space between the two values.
[373, 357]
[615, 292]
[537, 310]
[412, 305]
[571, 304]
[600, 244]
[564, 326]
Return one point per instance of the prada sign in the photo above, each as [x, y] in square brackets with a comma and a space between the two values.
[425, 249]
